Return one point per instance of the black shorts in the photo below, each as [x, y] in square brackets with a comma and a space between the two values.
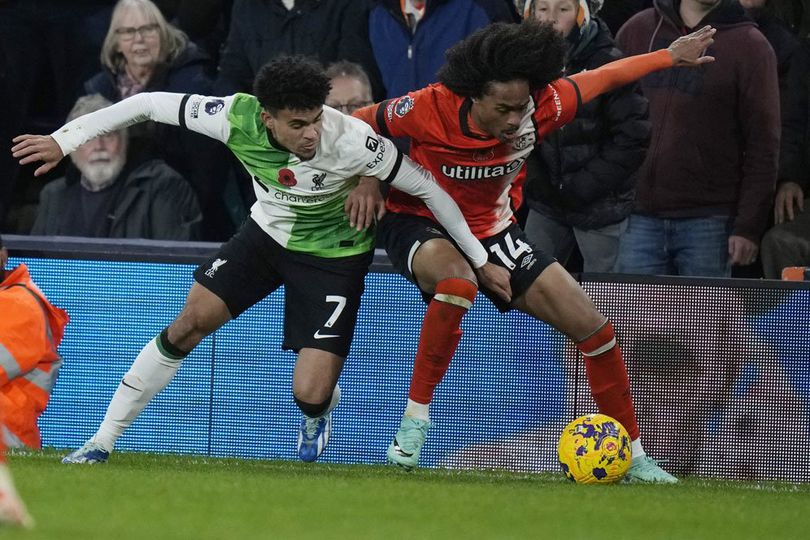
[322, 295]
[402, 234]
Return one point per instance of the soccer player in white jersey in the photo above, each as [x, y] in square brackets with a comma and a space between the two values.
[307, 230]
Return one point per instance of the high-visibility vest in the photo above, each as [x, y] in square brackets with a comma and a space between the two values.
[30, 330]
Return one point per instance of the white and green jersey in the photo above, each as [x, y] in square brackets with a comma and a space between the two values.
[299, 203]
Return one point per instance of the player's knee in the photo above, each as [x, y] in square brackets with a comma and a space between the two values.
[602, 340]
[460, 269]
[313, 410]
[457, 291]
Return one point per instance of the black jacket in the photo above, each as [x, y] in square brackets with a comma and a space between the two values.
[583, 175]
[794, 158]
[150, 201]
[329, 30]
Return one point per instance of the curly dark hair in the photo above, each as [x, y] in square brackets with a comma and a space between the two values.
[502, 52]
[291, 82]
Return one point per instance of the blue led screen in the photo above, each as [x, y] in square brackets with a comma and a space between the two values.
[721, 376]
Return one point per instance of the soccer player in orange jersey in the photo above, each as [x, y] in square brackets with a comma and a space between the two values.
[500, 91]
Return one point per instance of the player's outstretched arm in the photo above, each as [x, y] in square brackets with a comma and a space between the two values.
[163, 107]
[686, 51]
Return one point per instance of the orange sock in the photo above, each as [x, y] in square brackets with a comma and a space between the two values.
[607, 377]
[440, 335]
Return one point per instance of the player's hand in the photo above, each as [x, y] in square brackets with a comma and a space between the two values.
[33, 148]
[496, 279]
[741, 251]
[364, 204]
[789, 199]
[688, 50]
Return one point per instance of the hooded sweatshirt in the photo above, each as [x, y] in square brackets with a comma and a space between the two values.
[715, 128]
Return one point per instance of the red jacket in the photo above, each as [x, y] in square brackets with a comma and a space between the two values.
[30, 330]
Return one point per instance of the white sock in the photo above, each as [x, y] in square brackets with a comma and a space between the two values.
[150, 373]
[637, 449]
[335, 400]
[419, 411]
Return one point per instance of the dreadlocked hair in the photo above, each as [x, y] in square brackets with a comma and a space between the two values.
[291, 82]
[502, 52]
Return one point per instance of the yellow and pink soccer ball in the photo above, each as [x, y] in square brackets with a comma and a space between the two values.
[594, 449]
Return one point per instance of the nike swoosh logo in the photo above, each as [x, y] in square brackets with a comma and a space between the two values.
[400, 451]
[318, 335]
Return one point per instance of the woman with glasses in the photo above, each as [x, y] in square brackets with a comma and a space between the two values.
[142, 52]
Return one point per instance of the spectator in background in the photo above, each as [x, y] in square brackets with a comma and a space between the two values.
[705, 189]
[351, 88]
[617, 12]
[144, 53]
[788, 242]
[30, 330]
[777, 32]
[205, 22]
[112, 198]
[409, 37]
[580, 181]
[263, 29]
[47, 49]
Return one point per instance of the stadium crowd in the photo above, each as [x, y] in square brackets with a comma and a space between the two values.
[667, 176]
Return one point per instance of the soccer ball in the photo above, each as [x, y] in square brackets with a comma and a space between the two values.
[594, 449]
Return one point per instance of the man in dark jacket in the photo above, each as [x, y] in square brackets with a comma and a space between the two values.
[580, 181]
[706, 186]
[788, 242]
[409, 38]
[111, 198]
[263, 29]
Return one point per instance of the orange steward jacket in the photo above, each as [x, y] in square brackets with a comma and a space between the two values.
[30, 330]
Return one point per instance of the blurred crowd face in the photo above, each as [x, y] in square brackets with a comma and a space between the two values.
[561, 13]
[138, 39]
[298, 131]
[753, 4]
[100, 160]
[348, 94]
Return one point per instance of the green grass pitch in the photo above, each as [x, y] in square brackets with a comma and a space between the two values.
[151, 497]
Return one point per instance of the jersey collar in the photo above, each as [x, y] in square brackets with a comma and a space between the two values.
[463, 120]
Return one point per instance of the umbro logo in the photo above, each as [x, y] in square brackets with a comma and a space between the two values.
[318, 335]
